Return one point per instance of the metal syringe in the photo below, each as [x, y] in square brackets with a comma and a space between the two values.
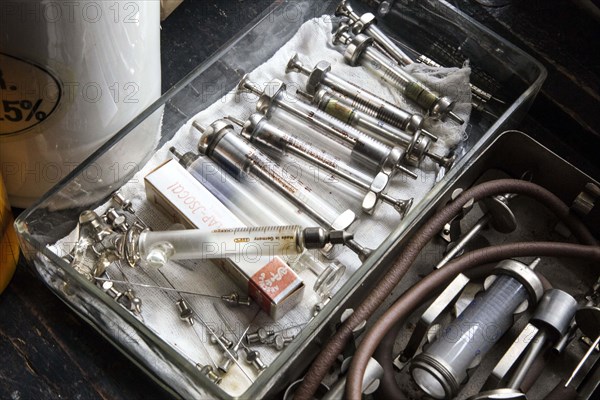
[258, 129]
[359, 51]
[238, 157]
[363, 147]
[416, 143]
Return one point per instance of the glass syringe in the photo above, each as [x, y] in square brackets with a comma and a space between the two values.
[443, 366]
[239, 158]
[416, 143]
[367, 24]
[359, 51]
[255, 204]
[364, 148]
[258, 129]
[156, 248]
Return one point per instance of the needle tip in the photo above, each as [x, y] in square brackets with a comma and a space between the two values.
[408, 172]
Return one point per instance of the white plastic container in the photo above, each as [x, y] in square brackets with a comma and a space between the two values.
[72, 75]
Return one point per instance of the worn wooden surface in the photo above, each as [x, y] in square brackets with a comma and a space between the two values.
[48, 353]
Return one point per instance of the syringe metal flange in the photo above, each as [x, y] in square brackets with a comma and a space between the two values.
[258, 129]
[355, 47]
[359, 51]
[502, 217]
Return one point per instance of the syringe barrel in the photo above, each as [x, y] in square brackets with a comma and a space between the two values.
[370, 152]
[237, 156]
[252, 202]
[271, 136]
[194, 244]
[442, 366]
[394, 75]
[321, 120]
[338, 106]
[370, 104]
[381, 64]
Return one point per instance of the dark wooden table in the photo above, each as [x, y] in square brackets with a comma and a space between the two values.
[48, 353]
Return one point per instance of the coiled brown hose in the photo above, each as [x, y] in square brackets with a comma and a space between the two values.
[418, 293]
[386, 284]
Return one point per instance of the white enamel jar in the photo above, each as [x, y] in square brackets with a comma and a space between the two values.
[72, 74]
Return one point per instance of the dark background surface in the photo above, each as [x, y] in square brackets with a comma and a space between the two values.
[48, 353]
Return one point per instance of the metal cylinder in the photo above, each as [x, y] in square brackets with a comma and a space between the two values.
[231, 153]
[555, 311]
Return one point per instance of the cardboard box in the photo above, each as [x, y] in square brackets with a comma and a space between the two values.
[269, 281]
